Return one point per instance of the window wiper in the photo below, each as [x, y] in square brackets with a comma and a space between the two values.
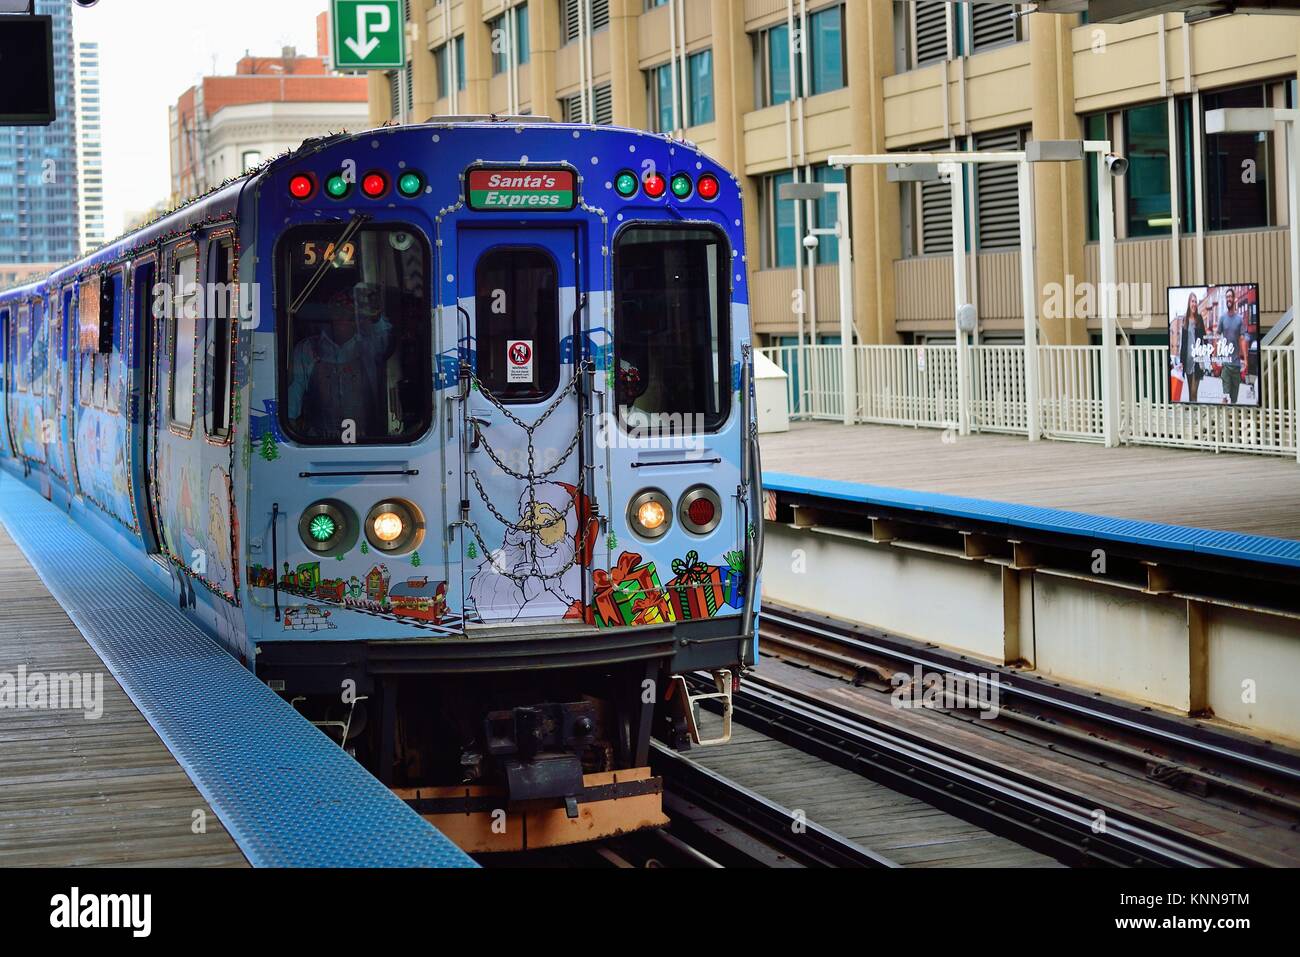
[350, 230]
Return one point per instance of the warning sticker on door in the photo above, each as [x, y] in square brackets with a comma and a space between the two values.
[519, 360]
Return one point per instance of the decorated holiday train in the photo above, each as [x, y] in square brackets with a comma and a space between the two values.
[447, 432]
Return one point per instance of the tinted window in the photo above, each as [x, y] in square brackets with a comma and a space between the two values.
[184, 328]
[672, 335]
[517, 308]
[355, 355]
[218, 309]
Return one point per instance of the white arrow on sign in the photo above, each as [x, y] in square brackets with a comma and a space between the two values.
[364, 43]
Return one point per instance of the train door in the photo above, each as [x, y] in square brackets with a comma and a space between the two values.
[528, 532]
[6, 380]
[56, 382]
[141, 320]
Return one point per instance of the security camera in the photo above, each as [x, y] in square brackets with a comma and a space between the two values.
[811, 242]
[1117, 165]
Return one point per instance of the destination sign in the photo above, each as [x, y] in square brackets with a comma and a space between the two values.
[523, 190]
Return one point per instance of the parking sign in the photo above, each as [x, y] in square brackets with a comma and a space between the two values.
[368, 34]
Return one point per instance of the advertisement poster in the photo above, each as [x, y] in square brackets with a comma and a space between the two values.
[1214, 345]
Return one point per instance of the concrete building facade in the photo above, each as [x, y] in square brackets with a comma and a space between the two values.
[773, 87]
[225, 125]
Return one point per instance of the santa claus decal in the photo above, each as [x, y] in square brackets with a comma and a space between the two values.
[537, 572]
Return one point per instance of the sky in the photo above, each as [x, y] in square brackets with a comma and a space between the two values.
[152, 51]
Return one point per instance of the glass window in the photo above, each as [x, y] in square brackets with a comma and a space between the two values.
[671, 331]
[499, 45]
[355, 353]
[522, 48]
[827, 211]
[1237, 167]
[112, 361]
[777, 41]
[440, 71]
[660, 82]
[23, 356]
[459, 46]
[183, 330]
[782, 244]
[699, 70]
[219, 307]
[1146, 136]
[1094, 128]
[517, 310]
[40, 340]
[826, 68]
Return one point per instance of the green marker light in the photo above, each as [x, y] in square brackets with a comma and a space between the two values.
[682, 186]
[323, 528]
[626, 185]
[410, 184]
[336, 186]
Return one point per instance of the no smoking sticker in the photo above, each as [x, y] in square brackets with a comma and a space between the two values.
[519, 360]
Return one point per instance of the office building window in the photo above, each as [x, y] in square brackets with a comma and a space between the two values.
[928, 31]
[659, 98]
[442, 81]
[602, 107]
[458, 45]
[1238, 180]
[776, 223]
[510, 28]
[699, 70]
[1148, 201]
[997, 196]
[825, 44]
[778, 63]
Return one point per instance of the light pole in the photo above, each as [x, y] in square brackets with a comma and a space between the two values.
[1263, 120]
[1108, 166]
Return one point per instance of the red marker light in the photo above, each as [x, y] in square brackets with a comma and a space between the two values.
[700, 511]
[708, 187]
[655, 185]
[302, 186]
[374, 185]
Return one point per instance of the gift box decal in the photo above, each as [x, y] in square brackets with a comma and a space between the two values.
[696, 588]
[629, 594]
[733, 579]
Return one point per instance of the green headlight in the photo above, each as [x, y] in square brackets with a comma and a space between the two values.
[323, 528]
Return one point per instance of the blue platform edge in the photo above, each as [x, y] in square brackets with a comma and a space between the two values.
[287, 794]
[1237, 546]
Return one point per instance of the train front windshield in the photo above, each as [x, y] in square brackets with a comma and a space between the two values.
[354, 326]
[673, 336]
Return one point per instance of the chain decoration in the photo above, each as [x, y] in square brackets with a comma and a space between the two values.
[531, 527]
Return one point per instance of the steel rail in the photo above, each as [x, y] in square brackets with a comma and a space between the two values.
[1044, 815]
[941, 663]
[774, 825]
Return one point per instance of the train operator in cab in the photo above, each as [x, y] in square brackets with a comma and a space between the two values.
[336, 375]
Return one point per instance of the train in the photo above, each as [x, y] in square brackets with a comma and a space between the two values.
[447, 432]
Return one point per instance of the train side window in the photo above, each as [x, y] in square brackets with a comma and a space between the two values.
[23, 352]
[182, 331]
[517, 300]
[6, 352]
[112, 301]
[218, 308]
[672, 335]
[57, 318]
[355, 356]
[88, 297]
[39, 342]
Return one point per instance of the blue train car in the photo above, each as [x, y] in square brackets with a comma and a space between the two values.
[447, 432]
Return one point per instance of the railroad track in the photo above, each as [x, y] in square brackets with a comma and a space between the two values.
[1041, 814]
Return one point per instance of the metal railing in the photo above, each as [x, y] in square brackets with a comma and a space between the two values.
[918, 386]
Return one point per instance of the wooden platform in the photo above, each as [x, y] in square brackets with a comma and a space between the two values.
[1254, 494]
[82, 792]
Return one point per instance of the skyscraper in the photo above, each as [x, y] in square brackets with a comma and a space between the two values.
[90, 157]
[38, 166]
